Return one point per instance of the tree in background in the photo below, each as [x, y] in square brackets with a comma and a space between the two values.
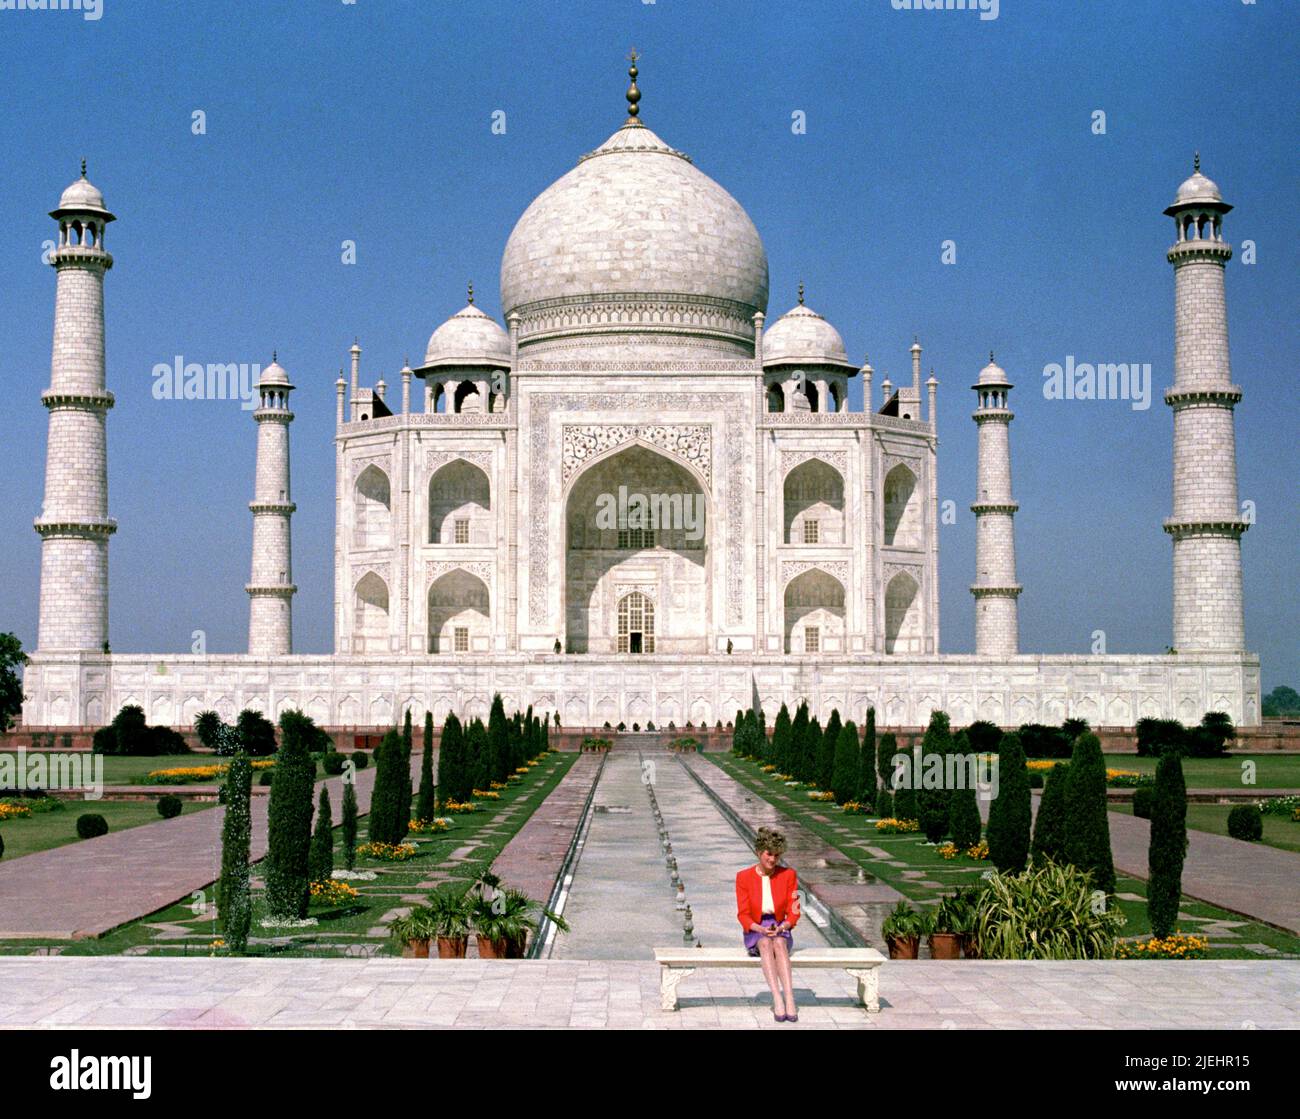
[885, 752]
[1049, 827]
[1011, 811]
[385, 824]
[234, 895]
[1281, 702]
[826, 750]
[782, 741]
[289, 819]
[424, 807]
[866, 793]
[1168, 845]
[209, 727]
[256, 733]
[349, 826]
[932, 803]
[798, 742]
[12, 658]
[405, 792]
[498, 742]
[478, 758]
[847, 762]
[451, 760]
[1087, 831]
[320, 856]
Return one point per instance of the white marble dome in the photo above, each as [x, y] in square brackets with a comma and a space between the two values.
[992, 375]
[274, 375]
[637, 245]
[802, 337]
[468, 338]
[81, 197]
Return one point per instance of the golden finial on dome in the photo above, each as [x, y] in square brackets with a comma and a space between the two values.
[471, 293]
[1196, 161]
[83, 168]
[633, 94]
[800, 293]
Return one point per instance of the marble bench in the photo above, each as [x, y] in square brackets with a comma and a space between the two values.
[861, 963]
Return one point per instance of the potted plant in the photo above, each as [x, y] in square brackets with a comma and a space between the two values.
[902, 931]
[946, 934]
[451, 912]
[962, 911]
[414, 931]
[503, 921]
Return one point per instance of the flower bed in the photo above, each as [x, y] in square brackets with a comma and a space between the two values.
[459, 806]
[1281, 806]
[853, 808]
[185, 774]
[822, 796]
[428, 827]
[333, 893]
[9, 811]
[891, 825]
[1128, 779]
[1176, 946]
[487, 794]
[387, 852]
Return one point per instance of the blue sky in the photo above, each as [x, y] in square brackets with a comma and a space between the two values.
[371, 122]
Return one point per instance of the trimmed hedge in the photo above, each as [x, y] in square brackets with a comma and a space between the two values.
[1143, 799]
[1246, 822]
[170, 806]
[91, 824]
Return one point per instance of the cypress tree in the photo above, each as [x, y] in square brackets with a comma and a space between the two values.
[320, 859]
[498, 742]
[827, 750]
[1049, 827]
[386, 824]
[812, 751]
[1168, 844]
[761, 740]
[350, 824]
[867, 761]
[782, 741]
[844, 775]
[1087, 830]
[885, 752]
[424, 808]
[932, 803]
[964, 817]
[798, 741]
[405, 789]
[1011, 811]
[905, 803]
[450, 760]
[234, 895]
[738, 735]
[478, 756]
[884, 802]
[289, 819]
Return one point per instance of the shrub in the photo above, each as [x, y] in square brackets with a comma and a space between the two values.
[2, 846]
[1044, 914]
[1035, 780]
[985, 737]
[782, 741]
[169, 806]
[333, 763]
[265, 779]
[933, 803]
[424, 805]
[234, 892]
[360, 759]
[1244, 822]
[1167, 811]
[866, 783]
[208, 726]
[846, 763]
[1143, 799]
[964, 818]
[1011, 811]
[905, 807]
[320, 856]
[91, 824]
[1040, 741]
[1049, 827]
[884, 803]
[885, 751]
[827, 747]
[1087, 830]
[385, 825]
[289, 819]
[405, 791]
[104, 741]
[349, 825]
[1211, 738]
[1154, 736]
[256, 733]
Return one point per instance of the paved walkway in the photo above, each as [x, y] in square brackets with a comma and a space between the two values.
[90, 887]
[1249, 878]
[115, 992]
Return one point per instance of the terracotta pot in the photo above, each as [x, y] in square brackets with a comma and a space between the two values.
[491, 949]
[904, 947]
[945, 946]
[416, 949]
[452, 947]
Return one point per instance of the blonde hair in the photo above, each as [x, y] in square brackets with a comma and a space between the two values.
[771, 840]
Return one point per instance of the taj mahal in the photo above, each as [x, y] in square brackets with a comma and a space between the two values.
[640, 499]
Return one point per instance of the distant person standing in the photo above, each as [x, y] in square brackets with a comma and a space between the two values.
[767, 906]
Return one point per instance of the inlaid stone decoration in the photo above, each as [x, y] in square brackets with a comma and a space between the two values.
[635, 356]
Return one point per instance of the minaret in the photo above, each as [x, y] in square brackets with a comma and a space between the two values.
[997, 629]
[270, 588]
[1206, 525]
[74, 524]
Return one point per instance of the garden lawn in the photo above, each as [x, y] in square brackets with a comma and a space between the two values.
[1279, 831]
[1272, 770]
[130, 771]
[42, 830]
[923, 875]
[465, 850]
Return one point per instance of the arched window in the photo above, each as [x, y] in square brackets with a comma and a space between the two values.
[636, 624]
[460, 504]
[814, 613]
[370, 614]
[902, 509]
[902, 615]
[814, 504]
[467, 398]
[372, 513]
[775, 398]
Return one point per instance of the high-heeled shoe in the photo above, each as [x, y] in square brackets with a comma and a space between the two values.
[791, 1017]
[778, 1017]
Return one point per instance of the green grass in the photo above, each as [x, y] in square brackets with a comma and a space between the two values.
[1272, 770]
[1279, 831]
[42, 830]
[358, 924]
[852, 835]
[131, 771]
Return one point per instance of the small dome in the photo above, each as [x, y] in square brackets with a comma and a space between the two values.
[802, 337]
[1197, 190]
[469, 337]
[82, 197]
[992, 375]
[274, 376]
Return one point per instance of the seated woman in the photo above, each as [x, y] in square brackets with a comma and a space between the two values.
[767, 906]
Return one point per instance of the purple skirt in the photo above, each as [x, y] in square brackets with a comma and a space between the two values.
[767, 921]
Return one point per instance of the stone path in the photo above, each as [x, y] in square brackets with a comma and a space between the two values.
[113, 993]
[858, 898]
[622, 904]
[87, 888]
[1249, 878]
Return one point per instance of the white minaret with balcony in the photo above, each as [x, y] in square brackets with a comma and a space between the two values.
[270, 587]
[74, 525]
[997, 630]
[1206, 525]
